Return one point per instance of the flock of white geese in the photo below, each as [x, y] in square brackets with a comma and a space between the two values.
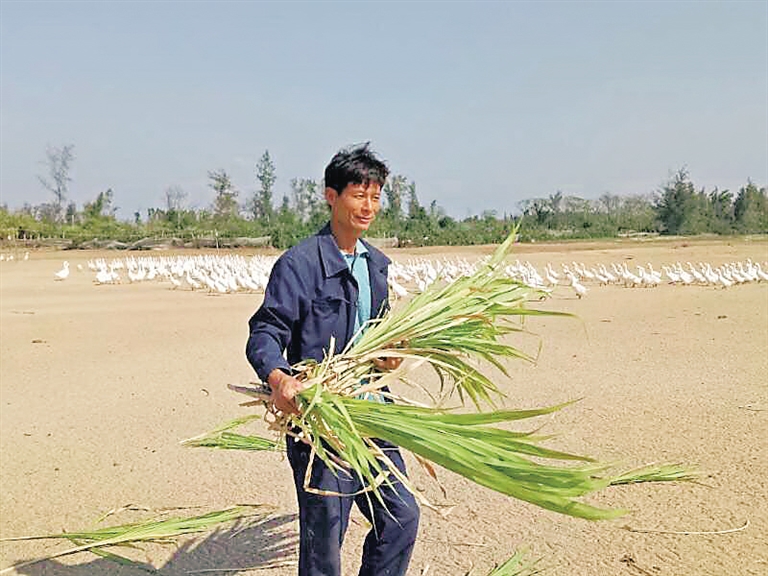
[231, 273]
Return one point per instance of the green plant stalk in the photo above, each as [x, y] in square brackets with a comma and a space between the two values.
[222, 438]
[657, 473]
[517, 565]
[147, 531]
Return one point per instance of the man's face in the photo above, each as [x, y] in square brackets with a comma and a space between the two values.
[356, 207]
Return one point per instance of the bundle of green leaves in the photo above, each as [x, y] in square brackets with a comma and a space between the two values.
[456, 328]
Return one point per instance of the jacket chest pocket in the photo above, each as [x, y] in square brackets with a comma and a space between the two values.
[327, 307]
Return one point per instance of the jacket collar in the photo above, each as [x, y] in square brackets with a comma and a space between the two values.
[333, 261]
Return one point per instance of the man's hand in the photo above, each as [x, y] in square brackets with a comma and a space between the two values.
[284, 390]
[387, 364]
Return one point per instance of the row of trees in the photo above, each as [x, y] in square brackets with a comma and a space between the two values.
[678, 208]
[682, 209]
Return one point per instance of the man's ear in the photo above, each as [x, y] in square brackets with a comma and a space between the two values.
[330, 196]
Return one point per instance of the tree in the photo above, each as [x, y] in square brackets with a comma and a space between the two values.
[415, 210]
[720, 210]
[261, 202]
[101, 207]
[435, 211]
[306, 200]
[174, 198]
[609, 203]
[678, 207]
[637, 213]
[318, 210]
[225, 202]
[575, 205]
[48, 212]
[59, 163]
[556, 201]
[540, 209]
[71, 213]
[174, 205]
[574, 212]
[393, 190]
[286, 229]
[751, 209]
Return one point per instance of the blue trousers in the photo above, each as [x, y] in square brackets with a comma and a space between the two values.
[323, 520]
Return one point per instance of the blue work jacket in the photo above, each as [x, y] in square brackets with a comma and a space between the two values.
[311, 296]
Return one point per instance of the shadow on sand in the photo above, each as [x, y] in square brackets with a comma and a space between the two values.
[259, 543]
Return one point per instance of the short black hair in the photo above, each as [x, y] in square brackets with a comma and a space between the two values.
[356, 164]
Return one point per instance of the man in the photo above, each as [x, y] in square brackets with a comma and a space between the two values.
[327, 286]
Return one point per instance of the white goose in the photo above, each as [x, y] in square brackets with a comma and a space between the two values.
[103, 277]
[577, 286]
[63, 273]
[723, 280]
[762, 276]
[397, 288]
[696, 274]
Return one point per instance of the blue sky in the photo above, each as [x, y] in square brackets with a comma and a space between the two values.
[481, 104]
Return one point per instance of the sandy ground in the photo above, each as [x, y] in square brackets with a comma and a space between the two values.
[100, 383]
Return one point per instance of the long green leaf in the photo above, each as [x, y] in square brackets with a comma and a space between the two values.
[517, 565]
[147, 531]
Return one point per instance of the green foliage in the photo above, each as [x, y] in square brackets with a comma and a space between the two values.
[415, 210]
[260, 204]
[750, 210]
[721, 211]
[678, 208]
[101, 207]
[286, 228]
[225, 202]
[393, 191]
[17, 225]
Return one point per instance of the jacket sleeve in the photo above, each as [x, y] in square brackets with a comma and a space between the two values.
[274, 323]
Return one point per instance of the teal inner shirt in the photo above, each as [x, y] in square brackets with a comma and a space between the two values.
[358, 265]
